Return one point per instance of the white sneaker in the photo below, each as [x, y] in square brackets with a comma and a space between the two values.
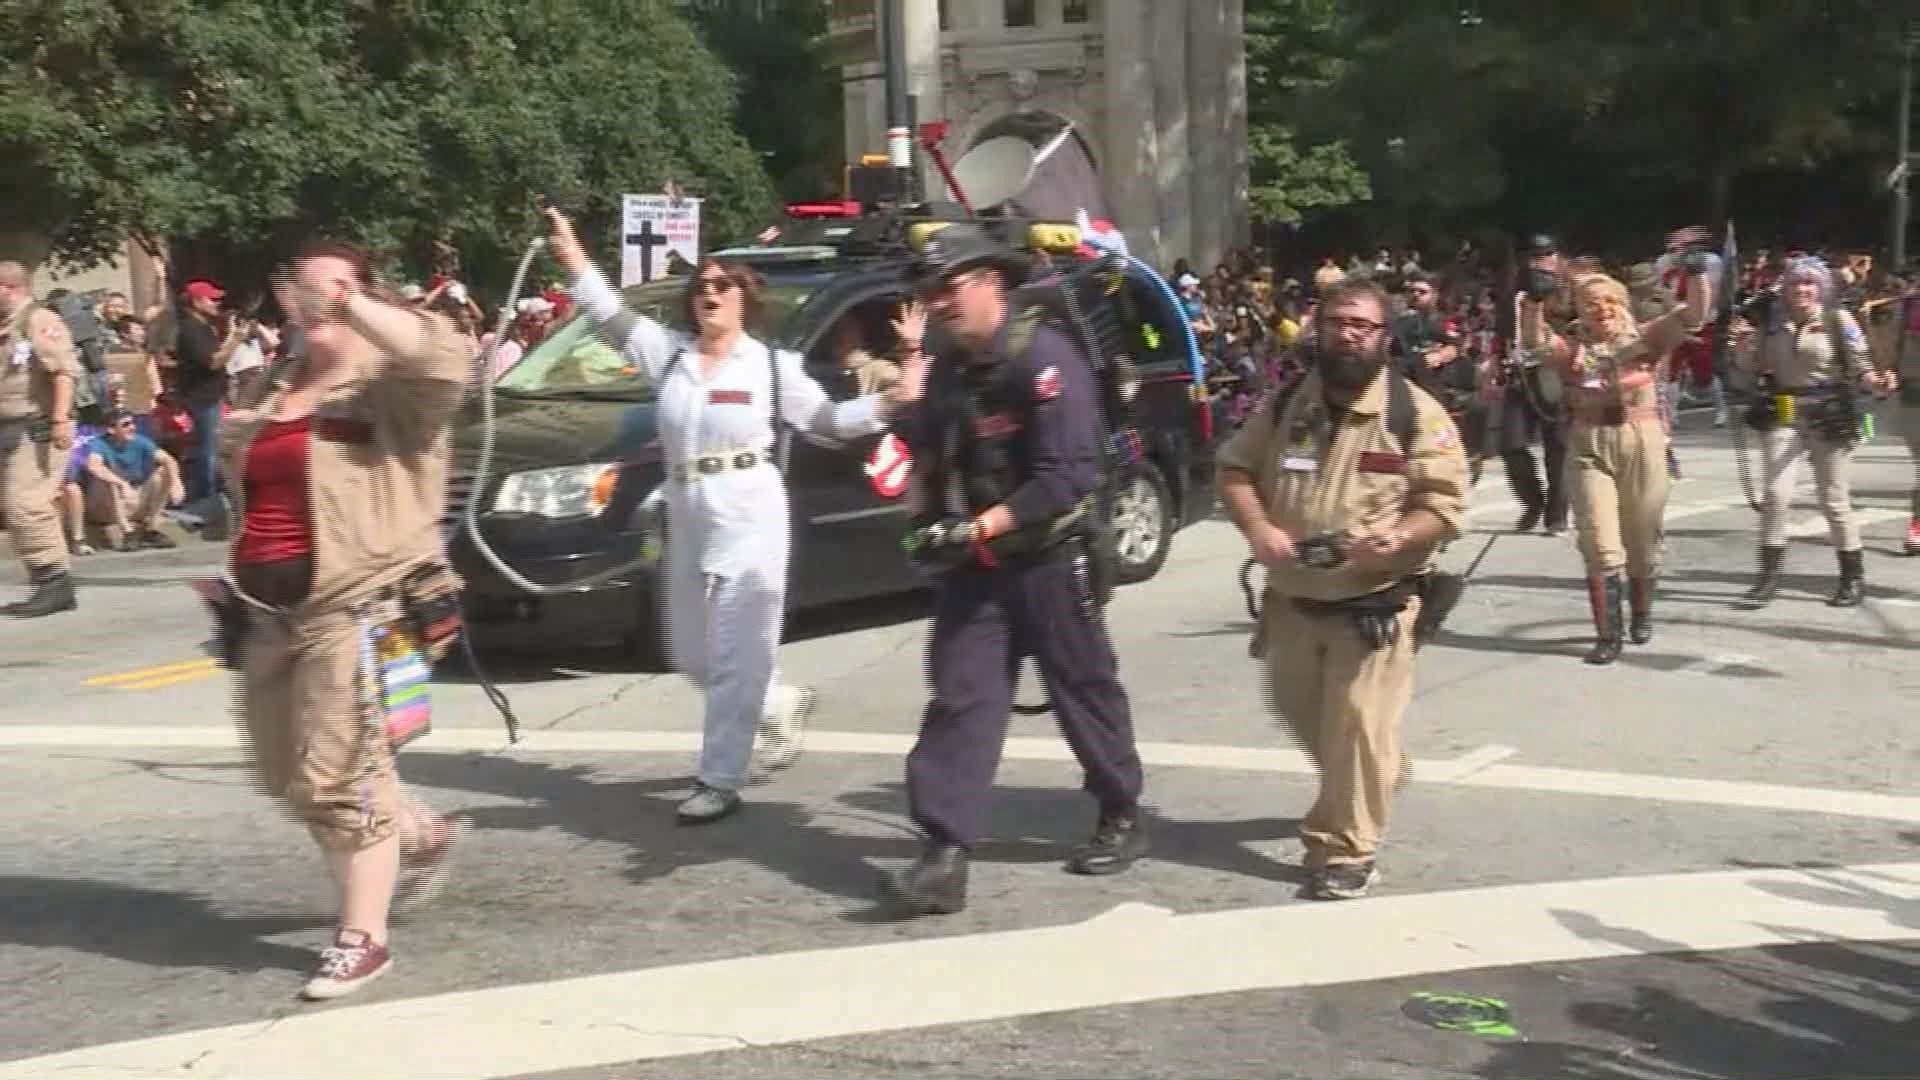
[782, 732]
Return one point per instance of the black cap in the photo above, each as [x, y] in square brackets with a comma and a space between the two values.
[1542, 244]
[963, 247]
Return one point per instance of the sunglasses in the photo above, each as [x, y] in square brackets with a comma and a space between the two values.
[719, 286]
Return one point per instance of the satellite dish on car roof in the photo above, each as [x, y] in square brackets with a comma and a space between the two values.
[995, 171]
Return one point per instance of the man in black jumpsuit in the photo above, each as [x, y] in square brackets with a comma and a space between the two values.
[1006, 450]
[1530, 407]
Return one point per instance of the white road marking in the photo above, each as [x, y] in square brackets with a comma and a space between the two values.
[1480, 768]
[801, 997]
[1714, 665]
[1452, 772]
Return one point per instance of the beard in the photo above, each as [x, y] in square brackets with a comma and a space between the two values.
[1344, 369]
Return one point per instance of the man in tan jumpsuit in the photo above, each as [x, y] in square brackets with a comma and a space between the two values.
[37, 371]
[1895, 337]
[1338, 633]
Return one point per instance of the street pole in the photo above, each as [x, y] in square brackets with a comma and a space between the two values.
[893, 56]
[1903, 160]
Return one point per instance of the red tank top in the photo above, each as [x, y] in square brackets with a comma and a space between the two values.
[277, 525]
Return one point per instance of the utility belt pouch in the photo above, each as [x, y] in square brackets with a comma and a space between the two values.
[229, 613]
[1440, 592]
[40, 430]
[1764, 413]
[12, 431]
[1376, 616]
[430, 598]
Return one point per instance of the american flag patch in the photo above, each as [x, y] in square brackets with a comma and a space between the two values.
[1046, 385]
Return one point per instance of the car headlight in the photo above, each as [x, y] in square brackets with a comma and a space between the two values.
[572, 491]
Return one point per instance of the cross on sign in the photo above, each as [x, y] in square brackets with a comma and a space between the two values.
[647, 240]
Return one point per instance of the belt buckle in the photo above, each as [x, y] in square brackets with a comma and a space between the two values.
[707, 466]
[746, 459]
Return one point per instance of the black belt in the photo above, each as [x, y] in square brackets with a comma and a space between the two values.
[1388, 601]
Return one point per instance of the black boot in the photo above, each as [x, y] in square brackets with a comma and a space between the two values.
[52, 592]
[1767, 586]
[934, 885]
[1853, 580]
[1603, 596]
[1118, 840]
[1640, 625]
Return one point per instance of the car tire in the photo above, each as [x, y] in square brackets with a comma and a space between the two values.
[1144, 520]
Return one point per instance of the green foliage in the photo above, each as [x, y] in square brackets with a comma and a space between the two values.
[237, 126]
[1583, 116]
[790, 96]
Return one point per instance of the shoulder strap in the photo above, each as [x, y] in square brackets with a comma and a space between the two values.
[1400, 411]
[782, 438]
[1025, 325]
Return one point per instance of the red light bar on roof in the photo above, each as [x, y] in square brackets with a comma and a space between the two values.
[823, 210]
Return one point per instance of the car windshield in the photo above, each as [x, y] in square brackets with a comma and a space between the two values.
[574, 362]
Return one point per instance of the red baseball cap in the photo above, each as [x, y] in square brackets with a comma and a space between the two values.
[204, 290]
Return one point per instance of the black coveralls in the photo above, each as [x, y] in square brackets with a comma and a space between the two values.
[1023, 430]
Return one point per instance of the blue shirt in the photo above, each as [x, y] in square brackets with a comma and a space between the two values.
[132, 461]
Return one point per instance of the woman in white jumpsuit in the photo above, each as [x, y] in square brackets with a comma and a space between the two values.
[727, 514]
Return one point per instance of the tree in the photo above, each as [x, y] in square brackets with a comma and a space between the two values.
[1292, 53]
[235, 126]
[790, 96]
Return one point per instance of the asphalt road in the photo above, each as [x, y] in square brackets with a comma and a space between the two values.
[1702, 863]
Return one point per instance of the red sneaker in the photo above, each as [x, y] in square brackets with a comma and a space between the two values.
[351, 962]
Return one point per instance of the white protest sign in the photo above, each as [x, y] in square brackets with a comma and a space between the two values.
[653, 229]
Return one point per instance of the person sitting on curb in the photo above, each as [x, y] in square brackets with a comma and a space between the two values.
[128, 481]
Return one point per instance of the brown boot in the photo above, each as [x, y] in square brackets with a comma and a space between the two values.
[1603, 596]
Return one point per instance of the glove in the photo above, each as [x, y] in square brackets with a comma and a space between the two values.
[942, 545]
[1541, 284]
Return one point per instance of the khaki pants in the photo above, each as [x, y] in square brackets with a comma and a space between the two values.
[1620, 488]
[1785, 447]
[317, 746]
[123, 509]
[1344, 701]
[29, 483]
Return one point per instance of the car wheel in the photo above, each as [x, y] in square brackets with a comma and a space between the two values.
[1143, 524]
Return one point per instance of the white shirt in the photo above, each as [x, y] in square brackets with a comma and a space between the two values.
[737, 518]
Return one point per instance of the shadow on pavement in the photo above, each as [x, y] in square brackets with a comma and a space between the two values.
[801, 841]
[147, 927]
[1821, 1009]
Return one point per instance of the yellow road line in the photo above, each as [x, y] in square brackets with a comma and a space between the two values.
[140, 677]
[170, 680]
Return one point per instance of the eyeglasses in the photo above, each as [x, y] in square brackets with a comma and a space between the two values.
[1364, 326]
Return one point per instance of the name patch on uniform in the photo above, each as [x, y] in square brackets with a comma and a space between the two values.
[1381, 462]
[343, 429]
[729, 397]
[989, 427]
[1299, 464]
[1046, 385]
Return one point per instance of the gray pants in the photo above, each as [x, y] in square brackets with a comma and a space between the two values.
[1785, 447]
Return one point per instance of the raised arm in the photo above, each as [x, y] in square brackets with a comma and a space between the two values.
[644, 342]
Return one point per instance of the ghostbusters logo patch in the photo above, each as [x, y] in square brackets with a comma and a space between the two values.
[1444, 439]
[1046, 385]
[889, 468]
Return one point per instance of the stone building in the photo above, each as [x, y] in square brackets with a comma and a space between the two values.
[1157, 89]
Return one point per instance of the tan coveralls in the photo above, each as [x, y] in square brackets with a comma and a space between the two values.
[377, 476]
[1343, 699]
[1900, 353]
[1800, 358]
[1618, 439]
[37, 352]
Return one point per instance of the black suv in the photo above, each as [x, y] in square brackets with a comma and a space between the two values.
[576, 452]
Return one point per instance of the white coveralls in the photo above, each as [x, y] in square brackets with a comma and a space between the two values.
[728, 532]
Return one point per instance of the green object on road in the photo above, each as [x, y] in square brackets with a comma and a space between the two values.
[1484, 1016]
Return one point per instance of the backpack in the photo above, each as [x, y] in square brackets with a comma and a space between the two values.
[89, 339]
